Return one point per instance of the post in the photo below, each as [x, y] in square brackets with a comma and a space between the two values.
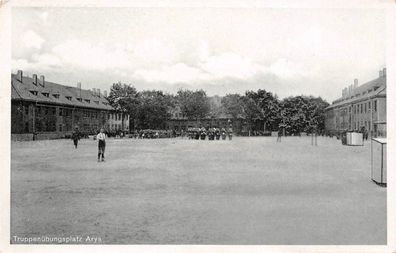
[312, 138]
[34, 118]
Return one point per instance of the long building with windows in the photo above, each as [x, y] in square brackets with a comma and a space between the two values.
[360, 108]
[47, 110]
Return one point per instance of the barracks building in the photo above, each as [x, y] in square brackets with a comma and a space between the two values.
[178, 122]
[360, 108]
[47, 110]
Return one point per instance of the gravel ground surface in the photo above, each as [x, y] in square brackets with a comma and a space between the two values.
[179, 191]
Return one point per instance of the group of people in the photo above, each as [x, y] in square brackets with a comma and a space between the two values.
[101, 138]
[153, 134]
[193, 133]
[211, 133]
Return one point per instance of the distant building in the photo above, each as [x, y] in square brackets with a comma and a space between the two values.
[47, 110]
[178, 122]
[360, 107]
[118, 122]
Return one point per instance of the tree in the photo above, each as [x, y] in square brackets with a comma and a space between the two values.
[193, 104]
[153, 109]
[124, 98]
[262, 106]
[233, 105]
[303, 113]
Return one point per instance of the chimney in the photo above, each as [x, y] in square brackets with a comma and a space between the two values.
[105, 93]
[98, 90]
[19, 75]
[380, 73]
[79, 85]
[35, 79]
[355, 83]
[384, 72]
[42, 80]
[94, 91]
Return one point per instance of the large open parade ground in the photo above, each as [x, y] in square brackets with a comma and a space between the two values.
[178, 191]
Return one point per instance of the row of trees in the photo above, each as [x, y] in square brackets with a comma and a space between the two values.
[297, 114]
[151, 108]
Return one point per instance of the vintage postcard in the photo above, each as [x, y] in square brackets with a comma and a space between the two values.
[197, 126]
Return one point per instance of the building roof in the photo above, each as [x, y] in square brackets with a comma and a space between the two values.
[54, 93]
[374, 88]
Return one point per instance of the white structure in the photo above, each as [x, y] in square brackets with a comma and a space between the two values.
[354, 139]
[378, 160]
[118, 121]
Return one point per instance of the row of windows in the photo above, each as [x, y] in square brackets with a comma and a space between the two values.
[117, 116]
[363, 107]
[66, 112]
[43, 110]
[56, 95]
[366, 125]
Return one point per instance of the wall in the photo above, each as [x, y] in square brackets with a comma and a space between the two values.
[50, 121]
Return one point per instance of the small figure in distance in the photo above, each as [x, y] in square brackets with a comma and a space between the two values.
[75, 137]
[280, 132]
[101, 137]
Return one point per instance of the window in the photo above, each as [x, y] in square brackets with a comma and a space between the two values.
[69, 98]
[365, 107]
[79, 99]
[45, 94]
[369, 105]
[27, 109]
[60, 111]
[56, 96]
[87, 100]
[375, 105]
[33, 92]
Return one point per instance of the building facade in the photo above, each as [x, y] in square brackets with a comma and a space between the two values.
[178, 122]
[360, 108]
[118, 121]
[47, 110]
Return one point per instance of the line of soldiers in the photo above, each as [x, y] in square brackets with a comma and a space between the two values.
[211, 133]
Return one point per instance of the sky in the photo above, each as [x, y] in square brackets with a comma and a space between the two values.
[221, 50]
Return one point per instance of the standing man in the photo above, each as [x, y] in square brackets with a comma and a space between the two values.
[101, 137]
[280, 133]
[76, 137]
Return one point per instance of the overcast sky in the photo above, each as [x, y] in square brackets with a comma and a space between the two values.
[286, 51]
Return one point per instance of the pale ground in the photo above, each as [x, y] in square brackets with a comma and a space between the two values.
[174, 191]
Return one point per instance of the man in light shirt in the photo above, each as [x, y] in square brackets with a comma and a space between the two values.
[101, 137]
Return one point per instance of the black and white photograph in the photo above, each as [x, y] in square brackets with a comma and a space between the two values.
[198, 125]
